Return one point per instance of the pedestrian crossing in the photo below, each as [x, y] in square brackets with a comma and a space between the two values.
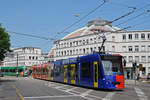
[131, 92]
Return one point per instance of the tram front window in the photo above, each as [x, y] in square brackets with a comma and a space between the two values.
[112, 65]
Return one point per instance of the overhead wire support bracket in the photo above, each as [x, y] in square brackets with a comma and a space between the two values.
[102, 46]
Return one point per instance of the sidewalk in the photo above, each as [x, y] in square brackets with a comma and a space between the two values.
[137, 81]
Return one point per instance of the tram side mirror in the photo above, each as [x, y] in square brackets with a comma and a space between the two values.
[124, 62]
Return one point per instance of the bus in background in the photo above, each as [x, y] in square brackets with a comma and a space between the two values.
[13, 71]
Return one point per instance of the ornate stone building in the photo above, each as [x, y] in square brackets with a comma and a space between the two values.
[133, 45]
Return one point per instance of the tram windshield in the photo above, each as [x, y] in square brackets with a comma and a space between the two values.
[112, 65]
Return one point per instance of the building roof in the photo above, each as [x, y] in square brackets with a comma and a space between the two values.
[27, 47]
[96, 25]
[51, 53]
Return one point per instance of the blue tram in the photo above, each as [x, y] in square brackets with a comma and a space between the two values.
[104, 71]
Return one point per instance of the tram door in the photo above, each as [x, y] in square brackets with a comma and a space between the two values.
[73, 74]
[65, 73]
[95, 74]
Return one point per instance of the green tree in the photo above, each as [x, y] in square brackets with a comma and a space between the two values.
[4, 43]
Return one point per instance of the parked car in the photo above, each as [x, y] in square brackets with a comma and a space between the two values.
[1, 74]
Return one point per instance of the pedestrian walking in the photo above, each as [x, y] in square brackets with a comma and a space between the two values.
[17, 74]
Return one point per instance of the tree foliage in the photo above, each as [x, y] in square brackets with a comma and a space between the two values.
[4, 43]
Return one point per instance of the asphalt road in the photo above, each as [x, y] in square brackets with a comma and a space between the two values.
[27, 88]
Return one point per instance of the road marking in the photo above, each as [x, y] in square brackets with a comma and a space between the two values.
[70, 89]
[18, 92]
[109, 96]
[140, 94]
[59, 87]
[85, 93]
[51, 96]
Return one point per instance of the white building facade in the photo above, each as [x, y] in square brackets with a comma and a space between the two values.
[133, 45]
[25, 56]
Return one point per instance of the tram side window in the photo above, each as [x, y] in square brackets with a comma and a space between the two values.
[10, 70]
[20, 70]
[100, 74]
[6, 70]
[86, 69]
[13, 70]
[57, 70]
[69, 71]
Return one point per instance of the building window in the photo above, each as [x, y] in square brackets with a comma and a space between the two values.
[70, 44]
[148, 36]
[70, 52]
[136, 36]
[143, 36]
[137, 58]
[143, 59]
[113, 38]
[143, 48]
[130, 36]
[130, 48]
[124, 48]
[124, 37]
[30, 57]
[148, 48]
[76, 51]
[91, 50]
[148, 58]
[67, 52]
[136, 48]
[83, 42]
[130, 58]
[84, 50]
[95, 40]
[64, 52]
[113, 48]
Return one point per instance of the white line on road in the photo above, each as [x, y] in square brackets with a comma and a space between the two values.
[51, 96]
[109, 96]
[85, 93]
[70, 89]
[141, 94]
[59, 87]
